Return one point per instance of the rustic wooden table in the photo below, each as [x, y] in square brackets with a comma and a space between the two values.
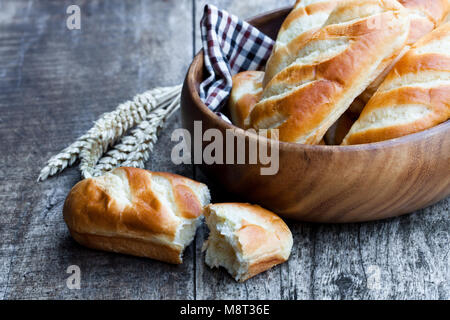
[55, 82]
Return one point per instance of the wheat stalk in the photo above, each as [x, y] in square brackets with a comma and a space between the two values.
[134, 149]
[109, 128]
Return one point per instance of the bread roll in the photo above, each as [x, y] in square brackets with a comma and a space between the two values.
[245, 239]
[415, 95]
[330, 69]
[137, 212]
[425, 16]
[245, 93]
[301, 23]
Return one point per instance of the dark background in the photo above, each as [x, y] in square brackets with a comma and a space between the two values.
[55, 82]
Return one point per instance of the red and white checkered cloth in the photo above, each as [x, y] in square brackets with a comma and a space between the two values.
[230, 45]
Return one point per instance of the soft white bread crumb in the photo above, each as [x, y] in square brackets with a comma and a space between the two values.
[245, 239]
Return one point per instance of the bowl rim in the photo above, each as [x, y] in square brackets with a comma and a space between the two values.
[193, 91]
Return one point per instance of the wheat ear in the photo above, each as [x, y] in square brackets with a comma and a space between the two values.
[110, 127]
[134, 149]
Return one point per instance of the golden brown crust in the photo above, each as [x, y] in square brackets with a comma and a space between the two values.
[311, 17]
[315, 93]
[264, 239]
[261, 266]
[425, 16]
[125, 207]
[245, 93]
[254, 238]
[187, 202]
[435, 10]
[135, 247]
[262, 245]
[419, 80]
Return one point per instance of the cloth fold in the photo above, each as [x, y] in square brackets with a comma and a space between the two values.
[230, 45]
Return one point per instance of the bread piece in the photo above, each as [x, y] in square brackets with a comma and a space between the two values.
[137, 212]
[245, 239]
[331, 69]
[245, 93]
[425, 16]
[415, 95]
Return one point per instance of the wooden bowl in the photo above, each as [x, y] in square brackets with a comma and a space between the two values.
[329, 183]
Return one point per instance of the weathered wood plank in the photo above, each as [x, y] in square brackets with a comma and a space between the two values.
[54, 83]
[401, 258]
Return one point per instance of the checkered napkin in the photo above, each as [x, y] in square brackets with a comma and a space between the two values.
[230, 45]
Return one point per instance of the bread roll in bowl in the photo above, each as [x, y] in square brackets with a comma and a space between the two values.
[245, 93]
[305, 18]
[425, 16]
[245, 239]
[415, 95]
[322, 74]
[137, 212]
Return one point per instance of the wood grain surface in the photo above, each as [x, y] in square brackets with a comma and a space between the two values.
[55, 82]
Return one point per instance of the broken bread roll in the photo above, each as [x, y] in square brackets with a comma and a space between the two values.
[414, 96]
[137, 212]
[245, 239]
[245, 93]
[321, 75]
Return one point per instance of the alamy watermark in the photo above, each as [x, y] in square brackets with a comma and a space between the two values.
[238, 145]
[73, 21]
[74, 280]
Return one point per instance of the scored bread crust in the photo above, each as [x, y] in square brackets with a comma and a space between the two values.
[414, 96]
[261, 238]
[425, 16]
[304, 19]
[333, 66]
[245, 93]
[137, 212]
